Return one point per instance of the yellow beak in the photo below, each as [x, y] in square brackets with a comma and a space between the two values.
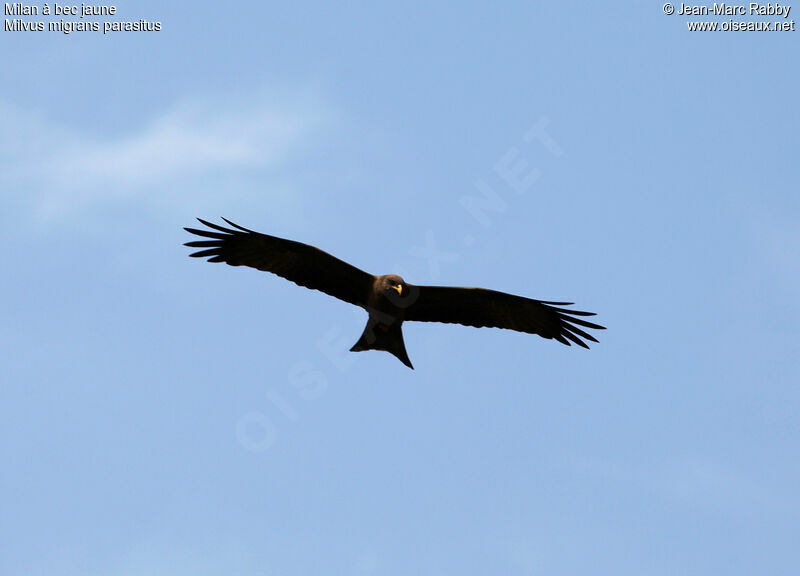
[399, 289]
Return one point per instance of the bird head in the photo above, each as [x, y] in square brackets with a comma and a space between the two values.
[393, 285]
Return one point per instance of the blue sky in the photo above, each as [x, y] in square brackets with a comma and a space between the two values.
[161, 415]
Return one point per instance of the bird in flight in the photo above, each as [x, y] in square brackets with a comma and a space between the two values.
[389, 300]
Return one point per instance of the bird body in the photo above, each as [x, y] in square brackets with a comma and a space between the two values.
[386, 305]
[388, 299]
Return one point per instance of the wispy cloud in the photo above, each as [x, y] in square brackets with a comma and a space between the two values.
[52, 167]
[777, 242]
[690, 479]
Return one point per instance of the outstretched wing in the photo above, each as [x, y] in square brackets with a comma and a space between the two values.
[479, 307]
[302, 264]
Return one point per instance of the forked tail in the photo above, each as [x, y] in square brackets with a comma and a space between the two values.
[389, 338]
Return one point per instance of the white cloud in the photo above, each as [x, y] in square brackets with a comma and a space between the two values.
[53, 168]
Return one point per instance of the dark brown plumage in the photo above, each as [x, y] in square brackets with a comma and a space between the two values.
[389, 300]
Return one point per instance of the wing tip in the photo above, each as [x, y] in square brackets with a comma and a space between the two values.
[242, 228]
